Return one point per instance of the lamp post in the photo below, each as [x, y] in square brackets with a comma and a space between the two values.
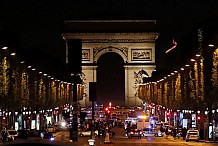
[74, 67]
[92, 98]
[74, 113]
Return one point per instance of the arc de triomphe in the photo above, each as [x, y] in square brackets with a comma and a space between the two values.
[133, 40]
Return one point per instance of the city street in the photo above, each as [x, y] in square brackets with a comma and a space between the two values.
[122, 139]
[62, 139]
[91, 73]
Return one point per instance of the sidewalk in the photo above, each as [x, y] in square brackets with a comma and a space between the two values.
[207, 141]
[171, 138]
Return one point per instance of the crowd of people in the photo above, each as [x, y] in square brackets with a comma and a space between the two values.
[103, 127]
[176, 132]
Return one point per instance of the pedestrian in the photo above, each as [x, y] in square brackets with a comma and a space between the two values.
[174, 133]
[127, 131]
[161, 129]
[184, 132]
[4, 136]
[49, 123]
[167, 132]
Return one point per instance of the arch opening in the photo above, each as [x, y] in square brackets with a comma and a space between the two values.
[110, 79]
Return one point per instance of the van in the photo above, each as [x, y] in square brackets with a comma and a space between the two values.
[192, 135]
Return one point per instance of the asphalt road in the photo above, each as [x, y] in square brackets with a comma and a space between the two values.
[121, 139]
[62, 139]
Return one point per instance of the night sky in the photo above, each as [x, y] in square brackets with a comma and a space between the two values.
[38, 25]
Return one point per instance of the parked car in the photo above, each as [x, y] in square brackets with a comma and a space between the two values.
[192, 135]
[135, 133]
[87, 133]
[149, 131]
[158, 133]
[12, 134]
[49, 136]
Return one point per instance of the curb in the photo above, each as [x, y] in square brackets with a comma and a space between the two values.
[211, 141]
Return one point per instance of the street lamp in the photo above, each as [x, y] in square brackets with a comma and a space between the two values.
[211, 45]
[4, 48]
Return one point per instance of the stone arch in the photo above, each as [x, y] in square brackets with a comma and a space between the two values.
[120, 51]
[129, 41]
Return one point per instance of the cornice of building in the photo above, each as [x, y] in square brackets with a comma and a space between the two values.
[112, 37]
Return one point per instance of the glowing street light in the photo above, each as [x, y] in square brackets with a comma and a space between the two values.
[4, 48]
[211, 45]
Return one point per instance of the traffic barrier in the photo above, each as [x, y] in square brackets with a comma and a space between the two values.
[107, 139]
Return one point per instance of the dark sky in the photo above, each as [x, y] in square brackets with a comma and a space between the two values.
[37, 25]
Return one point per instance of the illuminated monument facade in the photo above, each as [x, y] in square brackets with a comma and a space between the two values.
[133, 40]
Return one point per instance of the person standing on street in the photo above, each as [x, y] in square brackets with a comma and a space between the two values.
[184, 131]
[174, 133]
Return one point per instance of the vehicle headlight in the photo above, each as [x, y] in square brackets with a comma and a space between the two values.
[63, 124]
[52, 138]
